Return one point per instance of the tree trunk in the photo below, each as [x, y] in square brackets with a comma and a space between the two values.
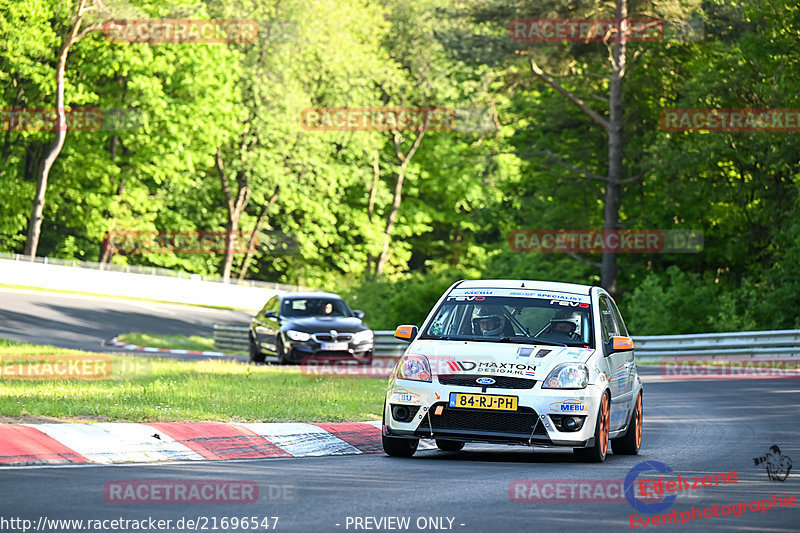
[397, 199]
[373, 193]
[608, 271]
[235, 209]
[252, 241]
[106, 246]
[35, 222]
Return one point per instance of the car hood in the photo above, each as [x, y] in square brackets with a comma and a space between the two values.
[314, 324]
[531, 361]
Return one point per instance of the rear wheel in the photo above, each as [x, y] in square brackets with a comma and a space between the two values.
[449, 445]
[630, 443]
[597, 453]
[256, 355]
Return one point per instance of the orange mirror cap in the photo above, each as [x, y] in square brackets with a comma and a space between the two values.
[403, 332]
[623, 343]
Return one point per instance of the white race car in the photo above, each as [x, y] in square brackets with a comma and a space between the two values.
[517, 362]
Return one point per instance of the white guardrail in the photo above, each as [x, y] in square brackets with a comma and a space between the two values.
[707, 345]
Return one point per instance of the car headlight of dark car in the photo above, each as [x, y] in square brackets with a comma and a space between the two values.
[299, 336]
[360, 337]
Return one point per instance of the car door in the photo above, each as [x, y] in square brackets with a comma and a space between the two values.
[617, 365]
[629, 360]
[266, 324]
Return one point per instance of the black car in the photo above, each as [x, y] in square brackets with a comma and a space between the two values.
[298, 325]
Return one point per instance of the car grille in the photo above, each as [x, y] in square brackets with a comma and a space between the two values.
[501, 382]
[486, 424]
[326, 337]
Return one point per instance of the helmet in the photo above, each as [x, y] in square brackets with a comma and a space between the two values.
[572, 321]
[496, 323]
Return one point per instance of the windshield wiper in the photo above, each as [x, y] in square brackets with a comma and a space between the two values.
[548, 343]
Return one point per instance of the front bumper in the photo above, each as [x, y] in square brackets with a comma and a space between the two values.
[311, 348]
[535, 422]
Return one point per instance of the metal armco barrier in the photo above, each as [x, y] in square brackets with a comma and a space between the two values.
[748, 344]
[228, 338]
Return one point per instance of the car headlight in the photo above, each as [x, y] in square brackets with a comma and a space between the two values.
[414, 367]
[300, 336]
[567, 376]
[362, 336]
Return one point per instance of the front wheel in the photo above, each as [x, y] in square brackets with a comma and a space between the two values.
[597, 453]
[396, 447]
[630, 443]
[280, 351]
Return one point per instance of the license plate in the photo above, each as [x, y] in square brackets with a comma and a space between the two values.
[334, 346]
[483, 401]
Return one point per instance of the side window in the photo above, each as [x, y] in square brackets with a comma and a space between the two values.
[609, 327]
[618, 318]
[272, 305]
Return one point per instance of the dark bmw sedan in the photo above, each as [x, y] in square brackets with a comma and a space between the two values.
[298, 325]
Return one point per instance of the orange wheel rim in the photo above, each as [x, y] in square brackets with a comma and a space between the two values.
[639, 416]
[604, 425]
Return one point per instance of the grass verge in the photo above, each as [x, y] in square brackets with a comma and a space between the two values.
[140, 389]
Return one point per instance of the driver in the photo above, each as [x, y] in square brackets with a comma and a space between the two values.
[488, 323]
[569, 325]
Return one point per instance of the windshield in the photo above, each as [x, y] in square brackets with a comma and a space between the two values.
[306, 307]
[514, 315]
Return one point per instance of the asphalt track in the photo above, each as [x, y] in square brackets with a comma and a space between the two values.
[696, 428]
[84, 322]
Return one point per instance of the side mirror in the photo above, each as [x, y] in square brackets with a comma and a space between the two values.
[621, 344]
[406, 333]
[270, 314]
[358, 314]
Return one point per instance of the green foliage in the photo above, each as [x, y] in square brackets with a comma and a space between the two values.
[406, 300]
[465, 190]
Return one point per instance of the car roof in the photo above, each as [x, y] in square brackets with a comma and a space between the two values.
[310, 295]
[572, 288]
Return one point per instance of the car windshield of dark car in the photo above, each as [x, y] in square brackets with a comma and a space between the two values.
[563, 320]
[308, 307]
